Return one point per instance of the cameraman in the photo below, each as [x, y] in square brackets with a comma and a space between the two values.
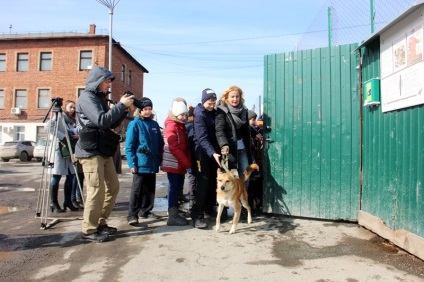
[95, 118]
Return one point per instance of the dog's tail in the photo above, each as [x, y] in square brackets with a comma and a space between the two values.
[248, 171]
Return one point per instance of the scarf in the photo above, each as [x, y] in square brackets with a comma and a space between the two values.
[236, 113]
[69, 119]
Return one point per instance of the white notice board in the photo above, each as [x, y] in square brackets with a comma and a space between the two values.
[402, 64]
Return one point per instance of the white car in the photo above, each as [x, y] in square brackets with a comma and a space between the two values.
[39, 149]
[22, 150]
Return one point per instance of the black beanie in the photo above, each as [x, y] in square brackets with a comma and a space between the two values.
[145, 102]
[208, 94]
[251, 114]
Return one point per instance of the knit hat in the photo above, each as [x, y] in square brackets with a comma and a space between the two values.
[179, 106]
[190, 111]
[145, 102]
[251, 114]
[208, 94]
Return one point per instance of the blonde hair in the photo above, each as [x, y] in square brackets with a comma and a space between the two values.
[224, 95]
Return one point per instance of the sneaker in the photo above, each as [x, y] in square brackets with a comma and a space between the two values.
[105, 229]
[200, 223]
[95, 237]
[133, 221]
[150, 215]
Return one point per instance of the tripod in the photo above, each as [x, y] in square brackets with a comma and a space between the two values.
[48, 163]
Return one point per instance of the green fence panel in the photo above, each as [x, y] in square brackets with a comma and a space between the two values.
[311, 158]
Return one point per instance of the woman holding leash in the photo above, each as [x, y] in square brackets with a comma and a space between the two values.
[233, 130]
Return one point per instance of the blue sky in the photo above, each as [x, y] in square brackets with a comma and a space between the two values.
[186, 45]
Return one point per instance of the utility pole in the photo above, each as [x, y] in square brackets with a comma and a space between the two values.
[329, 27]
[110, 4]
[372, 15]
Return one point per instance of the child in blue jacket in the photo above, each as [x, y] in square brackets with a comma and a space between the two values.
[144, 149]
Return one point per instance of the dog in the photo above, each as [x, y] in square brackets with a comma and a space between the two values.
[231, 192]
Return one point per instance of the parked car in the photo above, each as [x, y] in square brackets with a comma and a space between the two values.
[17, 149]
[40, 149]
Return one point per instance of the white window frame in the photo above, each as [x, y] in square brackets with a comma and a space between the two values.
[85, 62]
[22, 64]
[2, 94]
[19, 96]
[46, 63]
[43, 93]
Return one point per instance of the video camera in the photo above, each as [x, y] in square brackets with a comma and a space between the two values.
[57, 104]
[136, 102]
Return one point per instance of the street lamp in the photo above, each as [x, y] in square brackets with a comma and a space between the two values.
[110, 4]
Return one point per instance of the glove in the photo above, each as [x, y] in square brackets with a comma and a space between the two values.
[225, 150]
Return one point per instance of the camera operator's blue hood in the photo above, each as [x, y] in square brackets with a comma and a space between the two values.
[96, 76]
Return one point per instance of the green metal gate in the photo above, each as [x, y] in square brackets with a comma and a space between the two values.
[312, 131]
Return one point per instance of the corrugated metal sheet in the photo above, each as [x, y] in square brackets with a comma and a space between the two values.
[393, 159]
[311, 105]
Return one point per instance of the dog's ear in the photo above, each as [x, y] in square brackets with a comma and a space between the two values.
[234, 172]
[218, 171]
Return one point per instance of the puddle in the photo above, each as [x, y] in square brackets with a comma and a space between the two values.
[5, 210]
[23, 189]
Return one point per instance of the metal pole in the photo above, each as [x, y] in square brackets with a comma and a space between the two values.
[372, 15]
[110, 47]
[110, 4]
[329, 27]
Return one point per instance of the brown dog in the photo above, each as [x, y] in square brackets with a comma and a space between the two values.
[231, 192]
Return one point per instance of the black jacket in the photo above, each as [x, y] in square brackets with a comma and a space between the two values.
[204, 133]
[227, 134]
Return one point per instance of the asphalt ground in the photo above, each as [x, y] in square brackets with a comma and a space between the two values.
[272, 248]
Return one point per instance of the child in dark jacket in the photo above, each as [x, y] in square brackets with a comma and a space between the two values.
[207, 156]
[176, 159]
[144, 149]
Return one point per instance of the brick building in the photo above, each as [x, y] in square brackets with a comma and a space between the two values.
[34, 68]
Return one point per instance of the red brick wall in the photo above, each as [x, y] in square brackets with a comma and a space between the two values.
[65, 78]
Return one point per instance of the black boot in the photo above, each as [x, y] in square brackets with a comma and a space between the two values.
[77, 205]
[54, 204]
[68, 203]
[174, 219]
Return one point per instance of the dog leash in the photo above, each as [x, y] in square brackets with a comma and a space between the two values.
[224, 163]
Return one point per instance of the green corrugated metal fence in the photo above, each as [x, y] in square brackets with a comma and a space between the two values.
[312, 124]
[393, 159]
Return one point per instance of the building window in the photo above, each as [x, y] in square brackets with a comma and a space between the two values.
[85, 60]
[45, 61]
[43, 98]
[129, 77]
[2, 62]
[21, 99]
[123, 73]
[1, 98]
[41, 133]
[22, 62]
[20, 133]
[80, 90]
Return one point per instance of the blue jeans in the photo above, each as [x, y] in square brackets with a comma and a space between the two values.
[76, 193]
[176, 183]
[56, 179]
[242, 163]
